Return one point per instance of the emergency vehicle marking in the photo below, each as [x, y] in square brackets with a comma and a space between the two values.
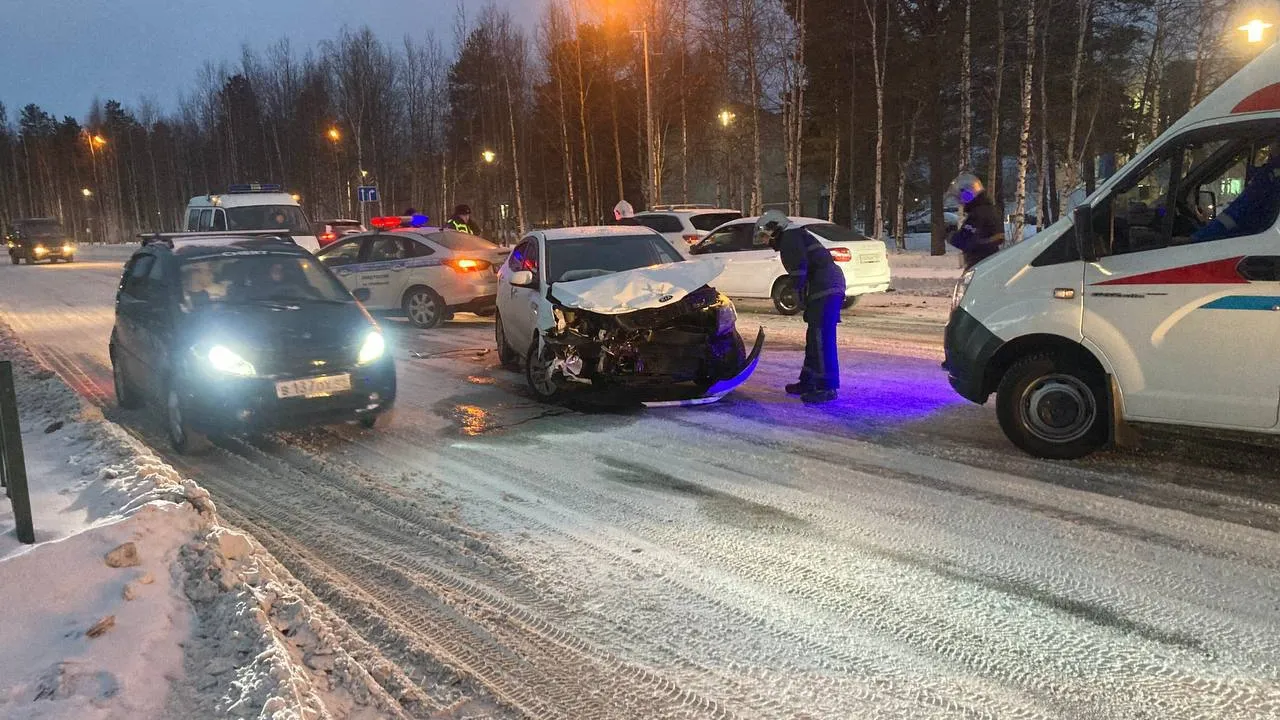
[1217, 272]
[393, 265]
[1268, 98]
[1244, 302]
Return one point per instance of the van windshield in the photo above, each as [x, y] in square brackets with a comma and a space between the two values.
[268, 217]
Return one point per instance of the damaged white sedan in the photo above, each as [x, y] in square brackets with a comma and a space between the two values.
[617, 307]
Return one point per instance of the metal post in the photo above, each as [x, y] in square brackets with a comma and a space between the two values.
[13, 464]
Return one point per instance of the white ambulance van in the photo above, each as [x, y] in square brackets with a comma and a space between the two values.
[251, 207]
[1157, 301]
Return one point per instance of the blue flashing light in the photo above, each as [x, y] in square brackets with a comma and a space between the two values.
[253, 188]
[418, 221]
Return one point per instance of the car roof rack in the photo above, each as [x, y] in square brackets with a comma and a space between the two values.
[241, 188]
[684, 206]
[228, 236]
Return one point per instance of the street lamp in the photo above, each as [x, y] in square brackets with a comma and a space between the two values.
[1254, 30]
[99, 141]
[334, 134]
[489, 156]
[86, 192]
[726, 117]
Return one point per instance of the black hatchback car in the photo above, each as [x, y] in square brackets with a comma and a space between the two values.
[239, 334]
[36, 239]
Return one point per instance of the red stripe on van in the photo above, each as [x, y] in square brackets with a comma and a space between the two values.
[1268, 98]
[1218, 272]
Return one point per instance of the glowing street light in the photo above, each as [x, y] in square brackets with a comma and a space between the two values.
[726, 117]
[1254, 29]
[334, 134]
[98, 140]
[86, 192]
[489, 156]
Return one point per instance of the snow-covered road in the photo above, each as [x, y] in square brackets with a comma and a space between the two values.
[887, 556]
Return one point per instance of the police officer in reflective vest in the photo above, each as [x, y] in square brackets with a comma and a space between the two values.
[820, 287]
[461, 220]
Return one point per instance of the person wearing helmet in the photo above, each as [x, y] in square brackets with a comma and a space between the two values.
[983, 231]
[820, 286]
[461, 220]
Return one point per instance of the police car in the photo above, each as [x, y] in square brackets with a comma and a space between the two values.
[1157, 301]
[425, 273]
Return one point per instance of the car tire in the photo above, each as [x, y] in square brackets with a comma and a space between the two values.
[424, 307]
[545, 389]
[69, 259]
[849, 302]
[506, 354]
[183, 439]
[126, 396]
[1053, 406]
[785, 299]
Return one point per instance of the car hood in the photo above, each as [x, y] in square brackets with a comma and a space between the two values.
[641, 289]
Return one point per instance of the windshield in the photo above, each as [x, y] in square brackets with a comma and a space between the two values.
[462, 241]
[707, 222]
[42, 229]
[258, 277]
[268, 217]
[580, 258]
[835, 233]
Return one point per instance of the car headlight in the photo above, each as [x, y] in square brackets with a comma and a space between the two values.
[40, 250]
[223, 359]
[67, 248]
[372, 349]
[726, 318]
[961, 288]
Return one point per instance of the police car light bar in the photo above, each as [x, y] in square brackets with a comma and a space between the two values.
[253, 188]
[392, 222]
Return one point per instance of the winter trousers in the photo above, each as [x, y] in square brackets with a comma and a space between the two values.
[821, 369]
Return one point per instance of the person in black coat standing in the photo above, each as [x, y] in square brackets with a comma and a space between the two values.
[983, 231]
[820, 286]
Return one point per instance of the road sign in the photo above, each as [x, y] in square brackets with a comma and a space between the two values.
[368, 193]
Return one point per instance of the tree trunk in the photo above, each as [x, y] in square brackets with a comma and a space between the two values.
[994, 166]
[753, 77]
[515, 157]
[966, 92]
[1043, 205]
[592, 205]
[1071, 172]
[904, 166]
[568, 152]
[879, 54]
[833, 192]
[1024, 137]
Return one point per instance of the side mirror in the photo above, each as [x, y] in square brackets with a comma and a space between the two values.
[1207, 200]
[1082, 220]
[523, 278]
[362, 294]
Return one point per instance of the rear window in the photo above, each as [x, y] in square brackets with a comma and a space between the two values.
[707, 222]
[661, 223]
[835, 233]
[461, 241]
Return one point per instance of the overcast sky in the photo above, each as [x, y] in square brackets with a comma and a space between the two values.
[60, 54]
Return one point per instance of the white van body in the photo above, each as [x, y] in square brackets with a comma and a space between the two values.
[1138, 308]
[251, 207]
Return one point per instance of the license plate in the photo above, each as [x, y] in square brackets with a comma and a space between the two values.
[314, 387]
[869, 258]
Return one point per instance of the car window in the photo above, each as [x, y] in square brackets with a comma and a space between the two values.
[459, 241]
[193, 220]
[386, 247]
[268, 217]
[417, 248]
[661, 223]
[834, 233]
[135, 277]
[42, 229]
[736, 238]
[346, 252]
[219, 219]
[583, 257]
[256, 277]
[707, 222]
[206, 220]
[525, 256]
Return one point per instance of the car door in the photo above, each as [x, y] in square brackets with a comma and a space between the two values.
[384, 270]
[1186, 306]
[131, 314]
[519, 305]
[157, 319]
[732, 243]
[343, 258]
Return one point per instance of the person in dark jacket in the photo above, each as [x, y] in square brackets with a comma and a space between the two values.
[461, 220]
[983, 231]
[820, 287]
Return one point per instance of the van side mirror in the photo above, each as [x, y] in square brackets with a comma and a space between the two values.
[362, 294]
[1082, 220]
[1208, 201]
[523, 278]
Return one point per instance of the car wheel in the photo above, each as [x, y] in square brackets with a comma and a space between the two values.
[424, 308]
[785, 299]
[69, 259]
[183, 439]
[126, 397]
[506, 354]
[1054, 407]
[536, 371]
[849, 301]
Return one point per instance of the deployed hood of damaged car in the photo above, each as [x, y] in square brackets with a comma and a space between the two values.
[641, 289]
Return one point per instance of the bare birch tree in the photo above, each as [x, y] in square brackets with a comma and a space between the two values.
[1024, 136]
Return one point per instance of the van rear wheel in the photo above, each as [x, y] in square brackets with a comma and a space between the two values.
[1052, 406]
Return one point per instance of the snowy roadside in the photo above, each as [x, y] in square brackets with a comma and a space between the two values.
[136, 601]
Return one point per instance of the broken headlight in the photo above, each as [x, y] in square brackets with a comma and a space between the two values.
[726, 318]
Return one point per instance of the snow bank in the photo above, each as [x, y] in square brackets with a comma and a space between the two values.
[136, 601]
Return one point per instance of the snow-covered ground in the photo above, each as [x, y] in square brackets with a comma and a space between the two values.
[886, 556]
[135, 601]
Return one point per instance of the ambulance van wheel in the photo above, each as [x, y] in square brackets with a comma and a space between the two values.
[1054, 406]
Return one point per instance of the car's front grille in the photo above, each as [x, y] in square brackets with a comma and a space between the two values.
[298, 360]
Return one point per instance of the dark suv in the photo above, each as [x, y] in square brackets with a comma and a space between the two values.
[35, 239]
[236, 334]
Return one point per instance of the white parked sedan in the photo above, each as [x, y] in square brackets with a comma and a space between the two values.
[426, 274]
[753, 271]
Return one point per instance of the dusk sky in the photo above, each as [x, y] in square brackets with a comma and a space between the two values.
[60, 54]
